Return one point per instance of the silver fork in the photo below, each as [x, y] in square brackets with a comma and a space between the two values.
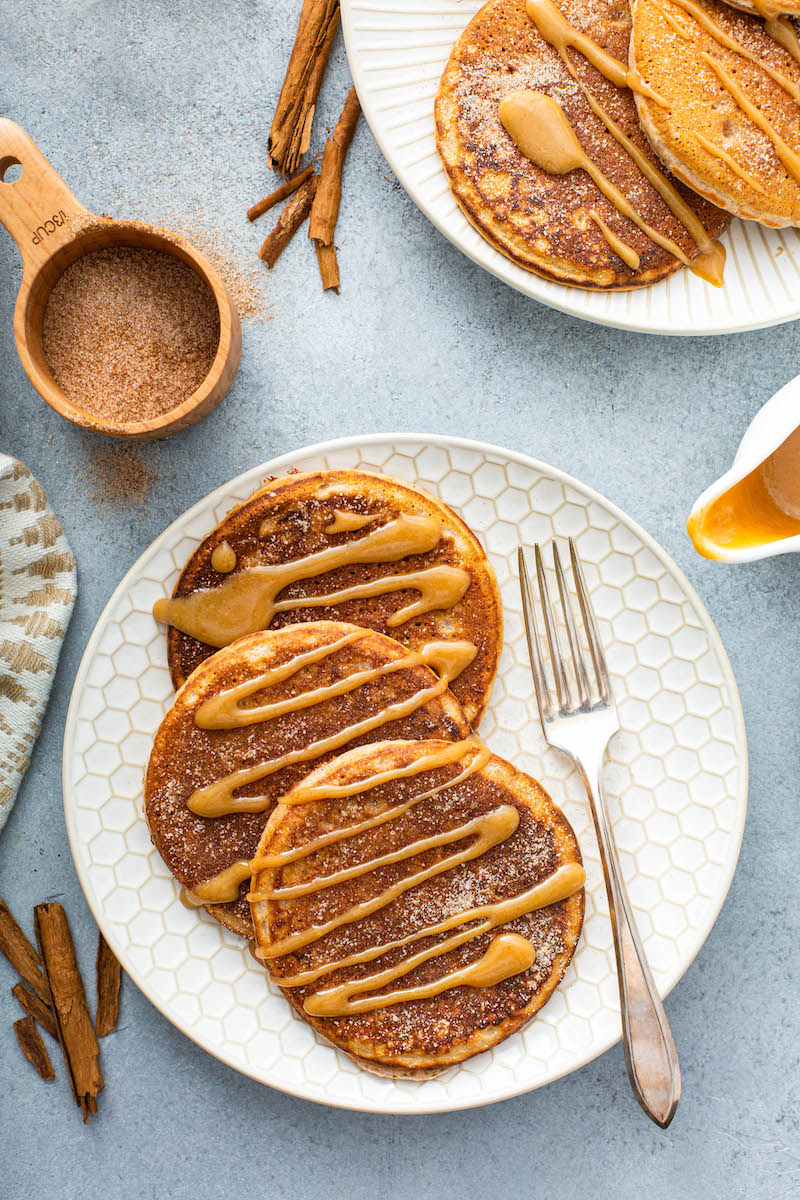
[582, 728]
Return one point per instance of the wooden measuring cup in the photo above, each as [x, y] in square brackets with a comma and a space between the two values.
[52, 229]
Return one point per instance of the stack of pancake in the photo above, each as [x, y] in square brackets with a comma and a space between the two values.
[605, 144]
[318, 785]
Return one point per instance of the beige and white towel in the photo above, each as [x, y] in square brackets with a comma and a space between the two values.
[37, 592]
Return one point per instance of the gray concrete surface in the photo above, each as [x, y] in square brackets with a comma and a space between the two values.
[160, 110]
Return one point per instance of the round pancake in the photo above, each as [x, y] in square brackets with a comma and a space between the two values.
[541, 220]
[186, 757]
[289, 518]
[667, 48]
[414, 1037]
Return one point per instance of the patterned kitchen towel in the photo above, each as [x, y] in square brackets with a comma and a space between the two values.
[37, 592]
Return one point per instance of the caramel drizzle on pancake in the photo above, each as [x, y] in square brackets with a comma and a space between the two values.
[345, 521]
[723, 155]
[789, 158]
[709, 263]
[221, 888]
[480, 825]
[781, 30]
[224, 887]
[491, 829]
[507, 955]
[217, 799]
[303, 795]
[429, 758]
[767, 8]
[778, 26]
[727, 41]
[224, 712]
[223, 558]
[541, 131]
[448, 658]
[553, 26]
[564, 882]
[673, 21]
[556, 29]
[620, 248]
[247, 602]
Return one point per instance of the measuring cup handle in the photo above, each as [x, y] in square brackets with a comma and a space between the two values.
[37, 209]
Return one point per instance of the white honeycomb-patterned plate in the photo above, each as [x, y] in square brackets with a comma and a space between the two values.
[398, 50]
[677, 778]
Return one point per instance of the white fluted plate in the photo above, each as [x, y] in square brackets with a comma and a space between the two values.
[677, 778]
[398, 50]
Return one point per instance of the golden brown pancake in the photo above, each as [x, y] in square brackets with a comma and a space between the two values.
[220, 729]
[711, 63]
[541, 220]
[386, 530]
[365, 902]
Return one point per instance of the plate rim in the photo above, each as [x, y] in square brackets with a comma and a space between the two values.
[281, 462]
[539, 286]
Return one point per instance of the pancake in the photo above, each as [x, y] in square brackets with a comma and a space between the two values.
[362, 865]
[563, 226]
[385, 530]
[727, 84]
[221, 757]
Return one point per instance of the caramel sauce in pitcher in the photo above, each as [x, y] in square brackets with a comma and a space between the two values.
[763, 507]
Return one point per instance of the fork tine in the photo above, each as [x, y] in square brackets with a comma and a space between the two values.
[595, 645]
[572, 633]
[562, 687]
[531, 629]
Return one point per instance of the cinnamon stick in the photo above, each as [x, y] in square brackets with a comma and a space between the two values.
[21, 954]
[281, 193]
[109, 978]
[36, 1008]
[290, 133]
[32, 1046]
[289, 222]
[76, 1033]
[325, 209]
[328, 266]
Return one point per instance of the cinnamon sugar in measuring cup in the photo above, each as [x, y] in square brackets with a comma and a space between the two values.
[129, 333]
[159, 348]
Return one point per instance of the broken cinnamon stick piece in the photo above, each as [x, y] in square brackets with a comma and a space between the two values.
[281, 193]
[328, 266]
[325, 209]
[290, 133]
[32, 1046]
[21, 954]
[290, 220]
[76, 1033]
[109, 978]
[36, 1008]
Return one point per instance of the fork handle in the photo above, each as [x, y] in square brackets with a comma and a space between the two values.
[650, 1053]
